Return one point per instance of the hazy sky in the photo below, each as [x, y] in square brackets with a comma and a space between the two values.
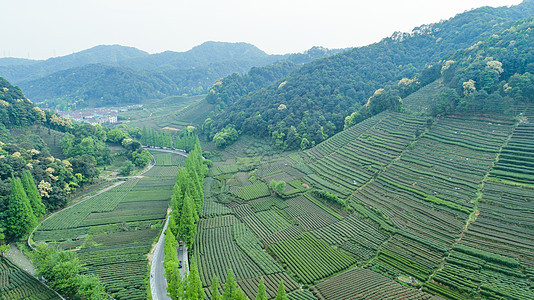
[40, 29]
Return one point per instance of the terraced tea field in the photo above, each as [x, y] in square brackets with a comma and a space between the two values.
[440, 204]
[16, 284]
[114, 231]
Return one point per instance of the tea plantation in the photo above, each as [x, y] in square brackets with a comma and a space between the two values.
[114, 231]
[398, 206]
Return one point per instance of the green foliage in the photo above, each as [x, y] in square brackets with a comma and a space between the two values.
[328, 197]
[33, 194]
[281, 294]
[194, 288]
[262, 294]
[277, 186]
[188, 227]
[85, 139]
[231, 290]
[214, 288]
[127, 168]
[230, 286]
[493, 74]
[116, 136]
[225, 136]
[3, 248]
[20, 218]
[62, 269]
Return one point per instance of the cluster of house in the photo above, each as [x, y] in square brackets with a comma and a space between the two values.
[96, 115]
[92, 116]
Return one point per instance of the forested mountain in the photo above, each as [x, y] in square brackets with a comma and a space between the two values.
[493, 76]
[201, 55]
[312, 102]
[141, 77]
[107, 54]
[229, 89]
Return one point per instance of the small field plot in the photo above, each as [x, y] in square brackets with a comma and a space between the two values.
[516, 161]
[216, 252]
[309, 258]
[254, 191]
[357, 236]
[365, 284]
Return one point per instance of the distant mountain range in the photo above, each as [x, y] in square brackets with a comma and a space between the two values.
[114, 75]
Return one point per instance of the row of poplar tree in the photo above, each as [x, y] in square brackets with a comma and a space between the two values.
[185, 140]
[186, 205]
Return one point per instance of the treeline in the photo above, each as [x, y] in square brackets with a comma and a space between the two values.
[188, 197]
[311, 103]
[185, 140]
[186, 203]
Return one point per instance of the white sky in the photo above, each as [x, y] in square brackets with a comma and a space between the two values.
[40, 29]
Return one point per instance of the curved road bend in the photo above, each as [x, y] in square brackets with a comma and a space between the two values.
[158, 282]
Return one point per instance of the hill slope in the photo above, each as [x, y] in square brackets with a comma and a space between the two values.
[313, 101]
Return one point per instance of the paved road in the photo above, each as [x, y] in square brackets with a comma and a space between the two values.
[177, 151]
[158, 282]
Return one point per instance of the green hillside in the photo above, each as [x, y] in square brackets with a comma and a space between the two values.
[313, 101]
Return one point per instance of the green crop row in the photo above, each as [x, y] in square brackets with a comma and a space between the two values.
[309, 258]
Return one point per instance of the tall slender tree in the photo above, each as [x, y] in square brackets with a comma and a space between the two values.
[230, 286]
[175, 287]
[187, 226]
[194, 289]
[262, 293]
[214, 288]
[281, 294]
[20, 218]
[33, 194]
